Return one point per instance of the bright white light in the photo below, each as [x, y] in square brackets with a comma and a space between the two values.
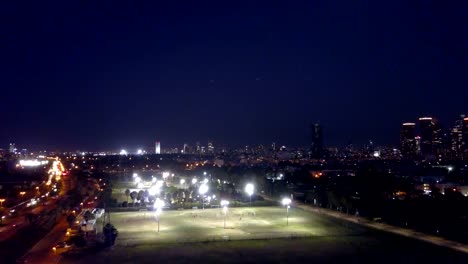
[182, 181]
[153, 179]
[204, 173]
[153, 190]
[135, 175]
[376, 154]
[159, 183]
[32, 163]
[123, 152]
[286, 201]
[172, 175]
[214, 196]
[249, 189]
[140, 151]
[194, 180]
[158, 204]
[203, 189]
[140, 185]
[165, 174]
[137, 179]
[224, 203]
[205, 181]
[450, 168]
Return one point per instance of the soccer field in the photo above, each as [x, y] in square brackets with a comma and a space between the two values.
[199, 225]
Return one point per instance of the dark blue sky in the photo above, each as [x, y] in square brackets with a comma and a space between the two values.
[86, 75]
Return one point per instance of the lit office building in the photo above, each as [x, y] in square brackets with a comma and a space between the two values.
[157, 147]
[407, 140]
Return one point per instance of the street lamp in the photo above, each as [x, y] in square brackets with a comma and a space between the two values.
[249, 189]
[22, 194]
[224, 204]
[1, 202]
[158, 205]
[286, 202]
[202, 190]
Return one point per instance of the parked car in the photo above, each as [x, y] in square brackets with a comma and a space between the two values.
[62, 247]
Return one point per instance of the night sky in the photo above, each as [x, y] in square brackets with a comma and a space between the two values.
[110, 75]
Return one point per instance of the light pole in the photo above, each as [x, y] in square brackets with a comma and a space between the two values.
[225, 204]
[286, 202]
[249, 189]
[158, 204]
[1, 202]
[202, 190]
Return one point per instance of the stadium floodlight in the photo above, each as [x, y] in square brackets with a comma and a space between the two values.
[286, 202]
[249, 189]
[202, 190]
[137, 179]
[158, 205]
[224, 204]
[154, 190]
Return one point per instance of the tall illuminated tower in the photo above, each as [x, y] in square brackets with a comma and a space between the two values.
[157, 147]
[407, 140]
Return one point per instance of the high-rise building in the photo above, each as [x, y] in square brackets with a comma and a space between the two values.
[210, 147]
[464, 146]
[426, 128]
[317, 141]
[12, 148]
[408, 141]
[456, 138]
[417, 141]
[157, 147]
[198, 147]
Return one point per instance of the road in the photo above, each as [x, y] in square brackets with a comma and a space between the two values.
[42, 252]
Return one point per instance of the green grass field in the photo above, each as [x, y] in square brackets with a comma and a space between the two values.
[207, 225]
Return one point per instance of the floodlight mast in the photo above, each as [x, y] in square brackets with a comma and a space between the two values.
[249, 189]
[286, 202]
[224, 204]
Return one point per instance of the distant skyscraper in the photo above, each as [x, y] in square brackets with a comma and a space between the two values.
[407, 140]
[12, 148]
[317, 141]
[157, 147]
[210, 147]
[198, 147]
[456, 137]
[426, 128]
[465, 138]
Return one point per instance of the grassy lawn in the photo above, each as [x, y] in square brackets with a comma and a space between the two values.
[192, 236]
[137, 228]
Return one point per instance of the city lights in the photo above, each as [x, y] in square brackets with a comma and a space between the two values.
[32, 163]
[123, 152]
